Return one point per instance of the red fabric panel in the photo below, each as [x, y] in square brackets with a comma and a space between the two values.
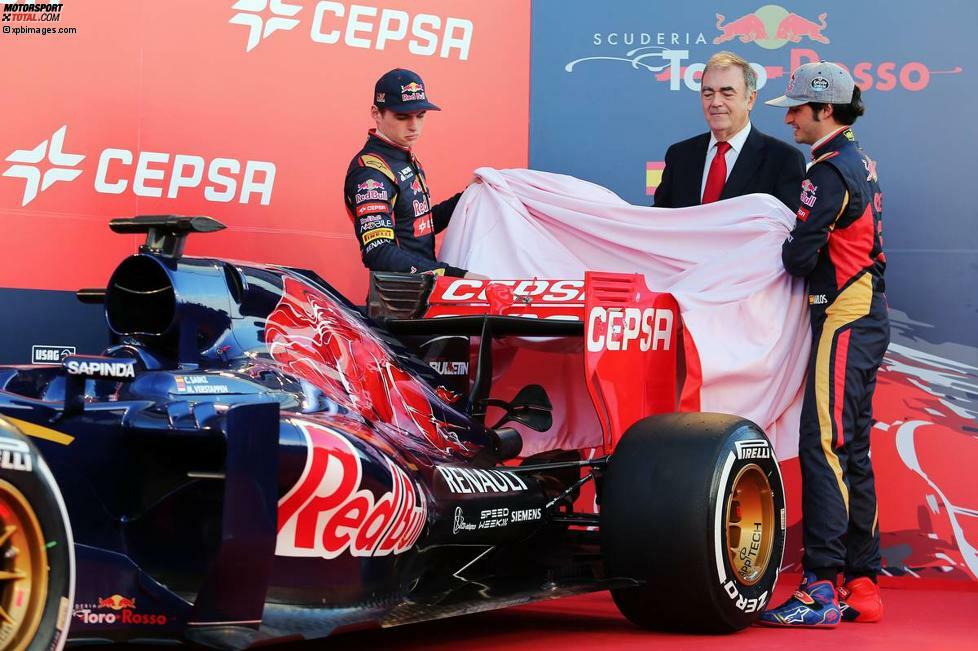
[850, 247]
[839, 387]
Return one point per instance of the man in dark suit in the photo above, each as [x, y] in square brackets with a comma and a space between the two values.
[734, 158]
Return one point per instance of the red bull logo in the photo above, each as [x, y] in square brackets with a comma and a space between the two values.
[421, 207]
[370, 184]
[870, 166]
[793, 28]
[416, 186]
[116, 602]
[747, 28]
[771, 27]
[808, 193]
[791, 84]
[413, 87]
[329, 512]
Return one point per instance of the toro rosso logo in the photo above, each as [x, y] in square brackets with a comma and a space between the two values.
[122, 611]
[329, 512]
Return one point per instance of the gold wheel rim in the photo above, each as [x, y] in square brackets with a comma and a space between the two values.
[23, 570]
[750, 524]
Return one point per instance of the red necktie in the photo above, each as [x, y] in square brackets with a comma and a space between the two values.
[717, 175]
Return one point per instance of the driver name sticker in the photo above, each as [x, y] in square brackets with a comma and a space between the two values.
[199, 385]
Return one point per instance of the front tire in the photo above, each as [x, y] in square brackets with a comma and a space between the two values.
[692, 508]
[36, 550]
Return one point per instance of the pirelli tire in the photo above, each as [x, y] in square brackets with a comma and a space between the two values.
[37, 562]
[692, 508]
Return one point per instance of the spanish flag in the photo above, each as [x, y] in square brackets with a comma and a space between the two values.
[653, 175]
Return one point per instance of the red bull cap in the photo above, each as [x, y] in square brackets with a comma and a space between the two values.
[402, 91]
[822, 82]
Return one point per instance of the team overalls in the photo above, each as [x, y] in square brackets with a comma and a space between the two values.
[837, 245]
[386, 195]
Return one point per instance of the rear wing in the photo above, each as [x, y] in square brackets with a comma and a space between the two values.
[633, 352]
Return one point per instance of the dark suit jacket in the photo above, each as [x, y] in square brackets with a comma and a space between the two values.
[765, 164]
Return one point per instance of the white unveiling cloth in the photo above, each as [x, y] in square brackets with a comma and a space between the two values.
[722, 261]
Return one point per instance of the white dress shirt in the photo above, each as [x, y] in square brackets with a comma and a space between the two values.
[736, 144]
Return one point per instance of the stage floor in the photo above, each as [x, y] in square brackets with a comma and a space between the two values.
[918, 618]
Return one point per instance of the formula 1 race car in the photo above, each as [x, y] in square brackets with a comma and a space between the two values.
[256, 458]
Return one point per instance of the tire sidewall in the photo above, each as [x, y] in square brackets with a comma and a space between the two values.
[41, 492]
[745, 446]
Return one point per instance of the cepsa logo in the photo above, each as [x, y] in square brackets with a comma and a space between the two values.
[359, 26]
[770, 27]
[617, 328]
[143, 173]
[542, 290]
[328, 512]
[537, 298]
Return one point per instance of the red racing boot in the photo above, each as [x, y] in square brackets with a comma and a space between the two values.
[859, 600]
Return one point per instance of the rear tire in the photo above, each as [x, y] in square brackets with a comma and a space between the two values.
[693, 508]
[36, 550]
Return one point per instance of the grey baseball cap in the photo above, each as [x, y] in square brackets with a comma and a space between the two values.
[824, 82]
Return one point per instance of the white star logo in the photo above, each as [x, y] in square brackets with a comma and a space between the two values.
[259, 28]
[31, 172]
[796, 616]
